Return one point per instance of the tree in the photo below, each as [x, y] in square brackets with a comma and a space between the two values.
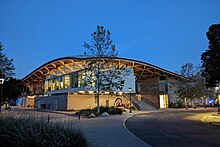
[211, 57]
[12, 89]
[102, 73]
[193, 86]
[6, 64]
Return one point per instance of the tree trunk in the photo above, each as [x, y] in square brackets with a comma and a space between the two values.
[186, 104]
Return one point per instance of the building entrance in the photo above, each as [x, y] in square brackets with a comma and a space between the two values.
[163, 100]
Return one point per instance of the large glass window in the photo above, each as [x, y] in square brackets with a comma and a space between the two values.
[81, 78]
[59, 83]
[51, 84]
[67, 81]
[74, 80]
[46, 85]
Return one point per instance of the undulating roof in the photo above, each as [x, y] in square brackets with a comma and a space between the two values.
[142, 70]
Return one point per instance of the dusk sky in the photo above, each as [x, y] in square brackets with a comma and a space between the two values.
[165, 33]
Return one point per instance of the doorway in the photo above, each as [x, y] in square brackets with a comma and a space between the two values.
[163, 100]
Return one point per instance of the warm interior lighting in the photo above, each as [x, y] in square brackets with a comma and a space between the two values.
[163, 101]
[82, 92]
[120, 93]
[90, 92]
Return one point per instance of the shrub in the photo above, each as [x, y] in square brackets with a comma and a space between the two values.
[22, 130]
[110, 110]
[177, 104]
[86, 112]
[115, 110]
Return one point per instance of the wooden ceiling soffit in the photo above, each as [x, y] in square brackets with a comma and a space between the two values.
[54, 65]
[47, 69]
[77, 63]
[153, 72]
[61, 70]
[58, 67]
[35, 74]
[71, 68]
[62, 62]
[41, 72]
[142, 71]
[30, 79]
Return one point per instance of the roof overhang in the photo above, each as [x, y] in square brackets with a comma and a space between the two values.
[142, 70]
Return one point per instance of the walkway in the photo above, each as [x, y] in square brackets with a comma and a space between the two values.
[100, 131]
[110, 132]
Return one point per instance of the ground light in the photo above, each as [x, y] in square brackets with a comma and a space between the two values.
[2, 79]
[130, 98]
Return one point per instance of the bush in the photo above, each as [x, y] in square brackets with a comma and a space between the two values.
[177, 104]
[114, 110]
[87, 112]
[110, 110]
[30, 130]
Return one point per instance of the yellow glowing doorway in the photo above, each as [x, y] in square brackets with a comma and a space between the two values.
[163, 100]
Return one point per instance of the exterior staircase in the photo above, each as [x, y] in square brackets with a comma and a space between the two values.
[139, 104]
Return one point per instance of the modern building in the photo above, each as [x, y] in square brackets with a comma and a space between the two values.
[57, 85]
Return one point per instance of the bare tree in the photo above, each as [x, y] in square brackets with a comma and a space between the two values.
[102, 72]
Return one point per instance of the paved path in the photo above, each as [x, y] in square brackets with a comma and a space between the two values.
[110, 132]
[99, 131]
[173, 128]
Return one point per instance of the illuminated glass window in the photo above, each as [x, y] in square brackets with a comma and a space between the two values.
[46, 85]
[81, 78]
[59, 83]
[74, 80]
[67, 81]
[51, 85]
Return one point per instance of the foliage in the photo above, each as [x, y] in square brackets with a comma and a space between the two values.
[12, 89]
[102, 73]
[110, 110]
[211, 57]
[177, 104]
[22, 130]
[194, 86]
[6, 64]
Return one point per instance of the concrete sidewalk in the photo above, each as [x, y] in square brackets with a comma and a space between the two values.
[212, 119]
[100, 131]
[110, 131]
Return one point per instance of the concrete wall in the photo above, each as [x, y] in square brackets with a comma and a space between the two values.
[77, 102]
[30, 102]
[149, 90]
[58, 102]
[74, 101]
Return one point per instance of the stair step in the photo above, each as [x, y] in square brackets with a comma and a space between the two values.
[140, 105]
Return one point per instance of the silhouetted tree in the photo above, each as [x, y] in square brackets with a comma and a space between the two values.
[194, 85]
[6, 64]
[211, 57]
[12, 89]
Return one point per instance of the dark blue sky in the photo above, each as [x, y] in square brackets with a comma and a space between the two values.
[166, 33]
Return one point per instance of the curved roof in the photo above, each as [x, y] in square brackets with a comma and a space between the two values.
[142, 70]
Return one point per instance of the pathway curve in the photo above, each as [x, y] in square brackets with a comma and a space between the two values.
[110, 132]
